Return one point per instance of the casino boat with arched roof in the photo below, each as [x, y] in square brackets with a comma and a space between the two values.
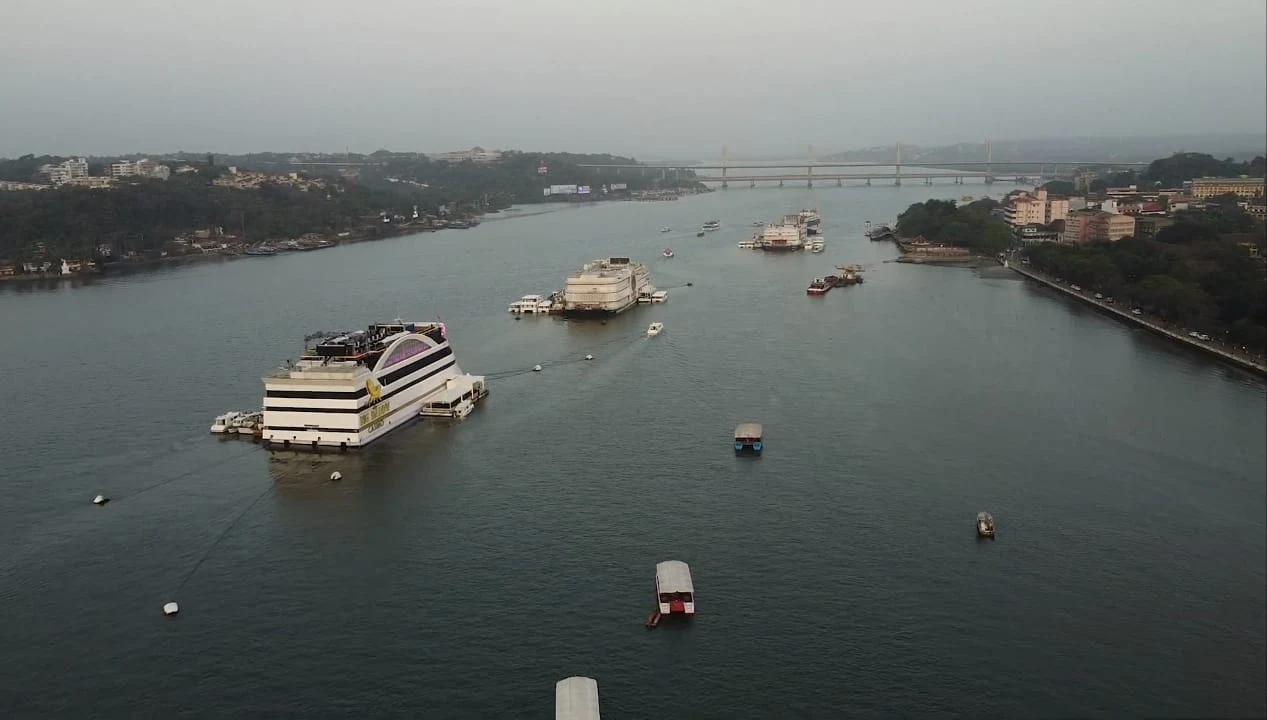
[354, 387]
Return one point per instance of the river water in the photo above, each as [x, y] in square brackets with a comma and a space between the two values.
[459, 571]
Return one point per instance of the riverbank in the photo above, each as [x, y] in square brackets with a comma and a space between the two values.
[366, 233]
[918, 251]
[1246, 361]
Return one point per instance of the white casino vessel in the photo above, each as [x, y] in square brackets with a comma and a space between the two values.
[352, 389]
[605, 287]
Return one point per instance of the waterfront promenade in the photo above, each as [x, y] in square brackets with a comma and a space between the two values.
[1243, 360]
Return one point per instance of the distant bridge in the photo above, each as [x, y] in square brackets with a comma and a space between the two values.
[887, 163]
[956, 178]
[808, 171]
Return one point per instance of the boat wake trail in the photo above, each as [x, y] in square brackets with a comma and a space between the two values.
[614, 345]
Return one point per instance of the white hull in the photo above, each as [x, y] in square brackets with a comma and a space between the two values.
[606, 287]
[332, 405]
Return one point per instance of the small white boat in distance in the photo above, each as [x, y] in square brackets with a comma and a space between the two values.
[675, 593]
[747, 244]
[224, 422]
[654, 329]
[576, 698]
[666, 228]
[659, 296]
[668, 252]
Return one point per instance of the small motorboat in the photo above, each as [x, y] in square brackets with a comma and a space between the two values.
[224, 422]
[654, 329]
[666, 228]
[985, 524]
[757, 223]
[668, 252]
[699, 234]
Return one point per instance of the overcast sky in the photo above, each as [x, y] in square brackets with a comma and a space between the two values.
[643, 77]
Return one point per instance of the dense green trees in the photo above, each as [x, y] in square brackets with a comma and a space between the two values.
[146, 215]
[515, 178]
[1058, 187]
[25, 168]
[1188, 275]
[943, 221]
[1174, 170]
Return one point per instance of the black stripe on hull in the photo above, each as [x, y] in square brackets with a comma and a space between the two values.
[386, 396]
[359, 393]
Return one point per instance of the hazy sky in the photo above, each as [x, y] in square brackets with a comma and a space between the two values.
[647, 77]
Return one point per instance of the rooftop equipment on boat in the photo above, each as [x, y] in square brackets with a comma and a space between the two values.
[748, 438]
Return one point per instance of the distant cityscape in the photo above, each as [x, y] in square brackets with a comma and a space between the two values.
[1117, 212]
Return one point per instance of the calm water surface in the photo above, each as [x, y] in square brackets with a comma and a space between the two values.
[459, 571]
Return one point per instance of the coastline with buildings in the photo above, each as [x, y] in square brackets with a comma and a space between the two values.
[149, 209]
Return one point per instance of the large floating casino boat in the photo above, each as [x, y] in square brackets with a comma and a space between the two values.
[352, 388]
[605, 287]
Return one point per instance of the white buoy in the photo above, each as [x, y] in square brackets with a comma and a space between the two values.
[589, 357]
[171, 608]
[536, 368]
[100, 500]
[336, 476]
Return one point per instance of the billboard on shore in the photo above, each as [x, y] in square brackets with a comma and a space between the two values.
[582, 189]
[563, 190]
